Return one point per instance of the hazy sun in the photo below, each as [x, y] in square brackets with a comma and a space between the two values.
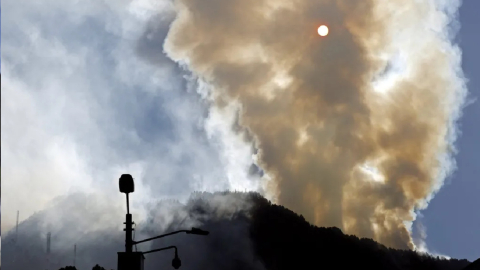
[323, 30]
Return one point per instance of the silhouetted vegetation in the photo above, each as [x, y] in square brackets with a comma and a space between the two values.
[68, 268]
[284, 240]
[473, 266]
[96, 267]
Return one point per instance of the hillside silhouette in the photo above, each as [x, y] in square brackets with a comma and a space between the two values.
[284, 240]
[246, 232]
[473, 266]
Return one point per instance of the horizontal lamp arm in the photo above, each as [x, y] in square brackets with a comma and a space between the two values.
[156, 237]
[160, 249]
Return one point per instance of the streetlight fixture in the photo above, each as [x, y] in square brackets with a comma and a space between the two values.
[130, 260]
[126, 185]
[176, 262]
[196, 231]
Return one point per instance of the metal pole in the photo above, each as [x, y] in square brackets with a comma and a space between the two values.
[128, 233]
[128, 229]
[128, 205]
[160, 236]
[160, 249]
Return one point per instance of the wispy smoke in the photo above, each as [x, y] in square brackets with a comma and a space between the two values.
[356, 129]
[420, 237]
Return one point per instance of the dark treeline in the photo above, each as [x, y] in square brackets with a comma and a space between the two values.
[284, 240]
[96, 267]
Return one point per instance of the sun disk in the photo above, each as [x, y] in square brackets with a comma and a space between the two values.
[323, 30]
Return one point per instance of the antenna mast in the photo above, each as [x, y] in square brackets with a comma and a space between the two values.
[16, 228]
[16, 239]
[49, 234]
[47, 257]
[74, 254]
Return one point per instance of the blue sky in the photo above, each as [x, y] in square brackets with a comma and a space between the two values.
[452, 218]
[99, 98]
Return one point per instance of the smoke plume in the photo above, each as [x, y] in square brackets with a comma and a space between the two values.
[356, 129]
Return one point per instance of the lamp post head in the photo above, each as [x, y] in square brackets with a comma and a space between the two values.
[198, 231]
[176, 262]
[126, 184]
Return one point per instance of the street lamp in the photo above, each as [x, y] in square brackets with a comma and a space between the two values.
[197, 231]
[129, 260]
[126, 185]
[176, 262]
[192, 231]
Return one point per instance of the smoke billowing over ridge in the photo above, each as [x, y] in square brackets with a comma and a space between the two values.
[355, 128]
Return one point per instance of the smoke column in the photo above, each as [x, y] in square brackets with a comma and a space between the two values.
[355, 129]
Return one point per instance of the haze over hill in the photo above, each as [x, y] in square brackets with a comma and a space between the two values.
[246, 232]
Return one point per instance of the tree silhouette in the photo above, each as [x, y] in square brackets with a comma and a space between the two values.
[98, 267]
[68, 268]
